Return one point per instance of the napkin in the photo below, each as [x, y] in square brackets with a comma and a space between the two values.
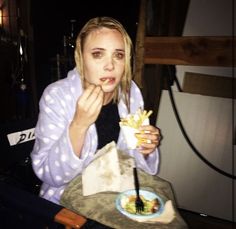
[109, 171]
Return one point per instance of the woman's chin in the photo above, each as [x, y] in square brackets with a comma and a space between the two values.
[108, 88]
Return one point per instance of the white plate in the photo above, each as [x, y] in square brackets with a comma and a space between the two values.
[148, 196]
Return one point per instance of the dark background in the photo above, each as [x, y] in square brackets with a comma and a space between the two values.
[40, 27]
[51, 21]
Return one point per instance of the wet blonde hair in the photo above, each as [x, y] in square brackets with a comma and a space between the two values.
[110, 23]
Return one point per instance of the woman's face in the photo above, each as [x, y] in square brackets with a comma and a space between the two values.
[104, 58]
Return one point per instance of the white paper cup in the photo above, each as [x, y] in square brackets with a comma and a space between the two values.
[129, 135]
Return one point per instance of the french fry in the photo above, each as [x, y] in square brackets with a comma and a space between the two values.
[148, 114]
[136, 120]
[105, 82]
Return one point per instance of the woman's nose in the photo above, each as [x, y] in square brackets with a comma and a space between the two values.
[109, 64]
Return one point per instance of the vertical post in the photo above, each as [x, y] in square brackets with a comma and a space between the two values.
[139, 46]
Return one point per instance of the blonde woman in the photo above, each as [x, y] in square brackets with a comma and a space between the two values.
[80, 113]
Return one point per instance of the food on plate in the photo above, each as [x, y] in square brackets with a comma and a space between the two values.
[150, 206]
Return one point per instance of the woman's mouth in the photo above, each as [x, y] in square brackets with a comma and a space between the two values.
[107, 80]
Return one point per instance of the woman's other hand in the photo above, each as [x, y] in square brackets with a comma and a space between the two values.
[149, 138]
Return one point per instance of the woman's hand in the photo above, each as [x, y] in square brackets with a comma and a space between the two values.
[149, 138]
[89, 106]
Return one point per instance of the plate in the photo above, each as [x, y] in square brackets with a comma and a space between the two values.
[147, 195]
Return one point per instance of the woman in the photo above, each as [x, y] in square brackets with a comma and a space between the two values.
[81, 113]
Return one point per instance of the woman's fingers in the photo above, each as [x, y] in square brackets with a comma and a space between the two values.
[89, 105]
[149, 134]
[149, 138]
[90, 95]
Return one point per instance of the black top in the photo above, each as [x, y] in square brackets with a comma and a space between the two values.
[107, 124]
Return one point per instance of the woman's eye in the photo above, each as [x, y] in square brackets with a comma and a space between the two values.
[119, 55]
[97, 54]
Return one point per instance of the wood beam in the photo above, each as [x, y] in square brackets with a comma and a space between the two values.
[69, 219]
[196, 51]
[139, 48]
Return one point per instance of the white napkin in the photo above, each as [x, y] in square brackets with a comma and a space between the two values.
[107, 172]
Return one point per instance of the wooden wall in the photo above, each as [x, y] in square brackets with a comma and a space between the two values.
[160, 46]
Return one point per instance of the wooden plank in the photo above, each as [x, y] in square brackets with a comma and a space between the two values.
[69, 219]
[139, 47]
[210, 85]
[195, 51]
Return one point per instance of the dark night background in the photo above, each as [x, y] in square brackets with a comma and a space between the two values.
[51, 21]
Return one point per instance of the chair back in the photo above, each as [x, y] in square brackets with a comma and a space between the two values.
[16, 144]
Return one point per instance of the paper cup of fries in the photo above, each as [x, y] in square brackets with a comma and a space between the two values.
[130, 126]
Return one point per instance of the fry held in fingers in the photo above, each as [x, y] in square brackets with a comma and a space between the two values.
[105, 82]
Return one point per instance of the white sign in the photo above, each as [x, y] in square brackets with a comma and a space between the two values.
[21, 137]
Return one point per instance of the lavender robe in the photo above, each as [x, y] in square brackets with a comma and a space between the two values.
[54, 160]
